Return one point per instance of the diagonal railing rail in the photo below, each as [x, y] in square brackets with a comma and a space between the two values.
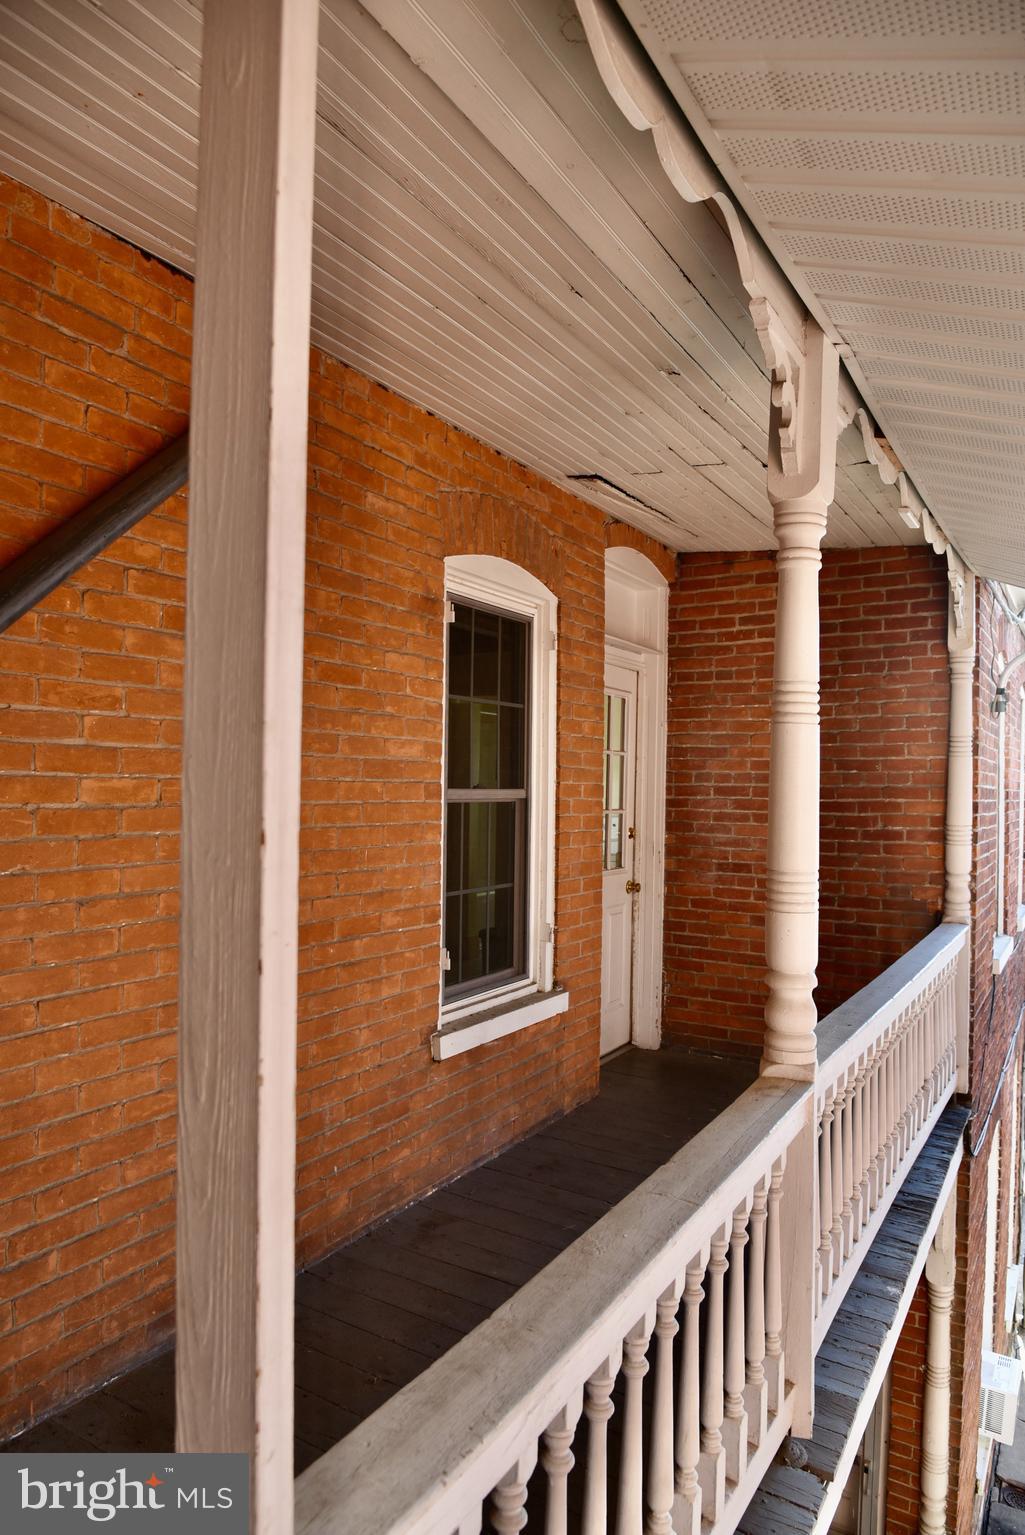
[41, 568]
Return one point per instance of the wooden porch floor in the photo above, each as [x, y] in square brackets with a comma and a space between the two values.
[375, 1313]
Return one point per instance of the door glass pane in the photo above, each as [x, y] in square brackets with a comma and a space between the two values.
[614, 797]
[614, 848]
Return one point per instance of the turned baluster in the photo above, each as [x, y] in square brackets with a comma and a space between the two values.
[557, 1462]
[734, 1429]
[836, 1162]
[630, 1508]
[509, 1499]
[891, 1110]
[755, 1393]
[859, 1198]
[661, 1478]
[847, 1214]
[826, 1195]
[688, 1408]
[774, 1363]
[598, 1409]
[712, 1462]
[875, 1127]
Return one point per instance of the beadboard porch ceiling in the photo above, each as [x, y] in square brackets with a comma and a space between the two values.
[879, 149]
[492, 240]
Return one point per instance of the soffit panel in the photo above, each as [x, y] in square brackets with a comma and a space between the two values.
[492, 240]
[880, 151]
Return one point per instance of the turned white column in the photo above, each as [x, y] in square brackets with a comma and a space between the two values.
[802, 471]
[242, 721]
[957, 893]
[939, 1273]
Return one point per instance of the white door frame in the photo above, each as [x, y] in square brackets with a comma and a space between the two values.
[637, 607]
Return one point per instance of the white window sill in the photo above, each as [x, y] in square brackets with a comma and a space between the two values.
[1003, 948]
[496, 1022]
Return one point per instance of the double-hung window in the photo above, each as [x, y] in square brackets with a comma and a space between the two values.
[499, 803]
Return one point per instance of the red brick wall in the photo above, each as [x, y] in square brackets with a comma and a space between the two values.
[884, 752]
[94, 373]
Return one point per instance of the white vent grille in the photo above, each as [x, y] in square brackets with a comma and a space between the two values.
[984, 357]
[1006, 410]
[977, 327]
[918, 290]
[968, 159]
[858, 93]
[738, 20]
[919, 373]
[862, 250]
[923, 210]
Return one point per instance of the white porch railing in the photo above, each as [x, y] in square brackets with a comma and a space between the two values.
[455, 1450]
[887, 1067]
[696, 1251]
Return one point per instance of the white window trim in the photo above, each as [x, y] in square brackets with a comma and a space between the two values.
[515, 1004]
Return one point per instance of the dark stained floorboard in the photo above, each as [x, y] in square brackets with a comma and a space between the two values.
[373, 1315]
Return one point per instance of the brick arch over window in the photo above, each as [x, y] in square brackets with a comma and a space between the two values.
[477, 522]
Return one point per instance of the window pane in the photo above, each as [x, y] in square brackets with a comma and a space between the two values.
[460, 632]
[458, 743]
[452, 938]
[514, 661]
[485, 654]
[484, 748]
[501, 945]
[474, 935]
[476, 846]
[503, 864]
[454, 847]
[512, 764]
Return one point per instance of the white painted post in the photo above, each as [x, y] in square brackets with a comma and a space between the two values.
[801, 477]
[712, 1462]
[735, 1414]
[957, 894]
[557, 1463]
[243, 693]
[630, 1509]
[755, 1392]
[939, 1273]
[598, 1409]
[775, 1362]
[688, 1411]
[660, 1480]
[509, 1499]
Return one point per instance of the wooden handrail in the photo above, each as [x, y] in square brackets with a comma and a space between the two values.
[41, 568]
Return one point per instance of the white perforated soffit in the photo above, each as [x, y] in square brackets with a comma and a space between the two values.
[493, 240]
[880, 150]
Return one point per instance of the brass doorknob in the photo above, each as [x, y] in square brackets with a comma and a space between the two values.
[632, 887]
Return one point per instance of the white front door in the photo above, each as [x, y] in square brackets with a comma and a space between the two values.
[618, 858]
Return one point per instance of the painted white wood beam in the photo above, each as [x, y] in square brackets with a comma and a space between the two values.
[957, 891]
[243, 694]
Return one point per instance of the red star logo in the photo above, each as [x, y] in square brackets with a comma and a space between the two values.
[154, 1481]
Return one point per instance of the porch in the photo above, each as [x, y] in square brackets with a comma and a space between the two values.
[375, 1314]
